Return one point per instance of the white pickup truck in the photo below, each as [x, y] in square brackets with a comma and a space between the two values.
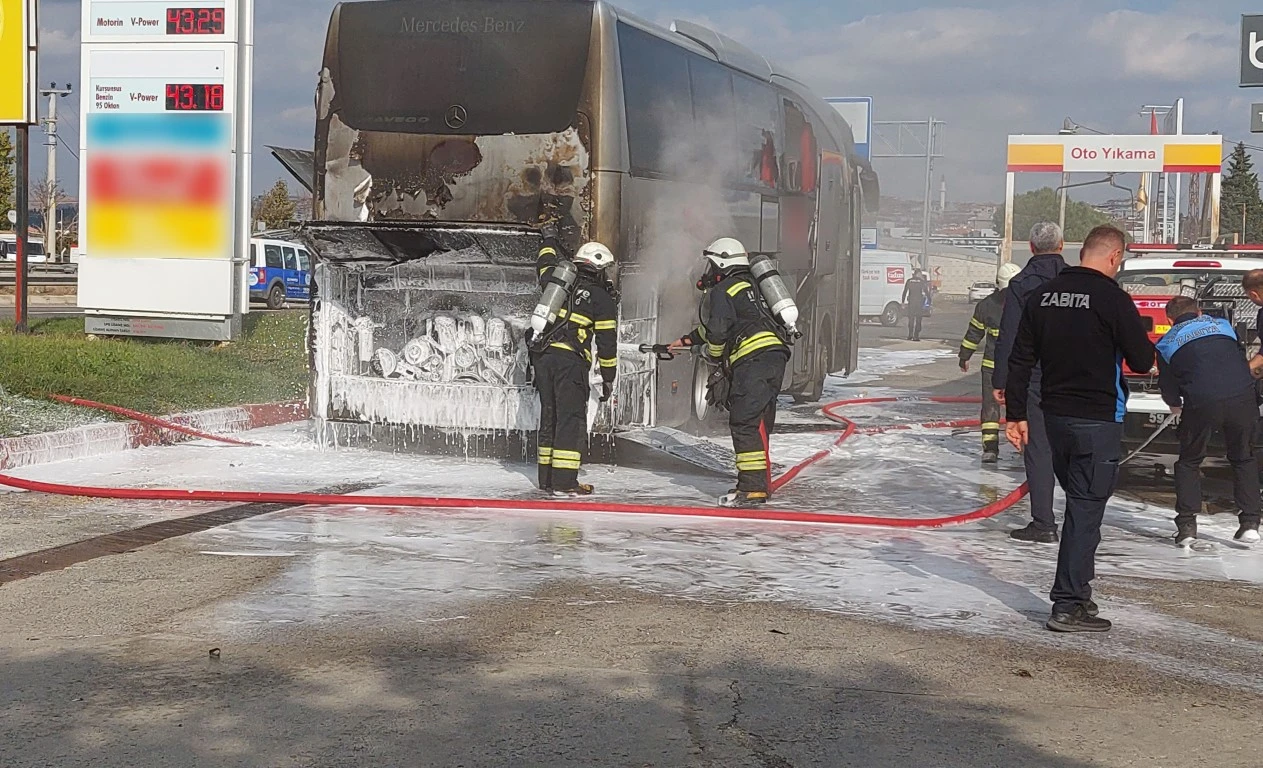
[1154, 275]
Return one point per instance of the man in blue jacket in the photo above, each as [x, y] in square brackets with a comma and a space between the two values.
[1045, 264]
[1205, 379]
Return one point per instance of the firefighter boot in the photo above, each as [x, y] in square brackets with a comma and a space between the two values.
[738, 498]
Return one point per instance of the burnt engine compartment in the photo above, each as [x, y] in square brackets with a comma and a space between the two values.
[421, 326]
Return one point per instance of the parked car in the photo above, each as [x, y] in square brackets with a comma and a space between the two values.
[279, 270]
[35, 245]
[980, 291]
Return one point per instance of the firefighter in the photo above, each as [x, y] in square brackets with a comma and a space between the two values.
[986, 323]
[561, 357]
[742, 335]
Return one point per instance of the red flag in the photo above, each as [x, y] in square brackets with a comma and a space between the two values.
[1153, 122]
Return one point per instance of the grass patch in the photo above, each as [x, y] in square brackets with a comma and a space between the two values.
[269, 363]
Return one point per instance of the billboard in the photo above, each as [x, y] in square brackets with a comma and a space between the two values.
[18, 33]
[1115, 154]
[858, 113]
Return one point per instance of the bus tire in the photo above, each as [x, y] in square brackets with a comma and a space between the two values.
[276, 296]
[891, 315]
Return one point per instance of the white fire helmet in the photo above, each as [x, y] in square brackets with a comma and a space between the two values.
[594, 255]
[726, 253]
[1006, 273]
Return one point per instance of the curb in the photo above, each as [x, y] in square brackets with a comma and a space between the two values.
[100, 439]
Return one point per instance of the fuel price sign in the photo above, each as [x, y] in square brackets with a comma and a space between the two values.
[124, 20]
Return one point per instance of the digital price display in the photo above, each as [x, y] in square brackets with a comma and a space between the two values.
[200, 97]
[195, 21]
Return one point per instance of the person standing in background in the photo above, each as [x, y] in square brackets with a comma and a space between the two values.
[916, 298]
[1045, 264]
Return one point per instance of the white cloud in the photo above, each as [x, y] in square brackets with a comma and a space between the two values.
[989, 72]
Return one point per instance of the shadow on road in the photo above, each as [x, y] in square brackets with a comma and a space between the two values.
[449, 705]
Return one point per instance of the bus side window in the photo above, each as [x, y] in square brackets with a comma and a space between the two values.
[658, 99]
[758, 130]
[254, 255]
[304, 261]
[291, 259]
[273, 255]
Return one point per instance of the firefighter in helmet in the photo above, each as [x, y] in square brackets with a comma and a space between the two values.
[985, 326]
[740, 333]
[578, 305]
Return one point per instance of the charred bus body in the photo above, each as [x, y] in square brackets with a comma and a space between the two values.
[449, 130]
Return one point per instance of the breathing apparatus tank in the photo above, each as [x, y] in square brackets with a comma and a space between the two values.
[557, 287]
[777, 296]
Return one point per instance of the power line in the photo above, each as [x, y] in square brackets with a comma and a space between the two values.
[68, 147]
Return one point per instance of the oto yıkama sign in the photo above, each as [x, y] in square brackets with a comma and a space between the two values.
[1115, 154]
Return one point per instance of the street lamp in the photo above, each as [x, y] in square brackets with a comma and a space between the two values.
[1068, 128]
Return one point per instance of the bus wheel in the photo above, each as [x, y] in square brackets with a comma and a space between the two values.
[701, 373]
[276, 296]
[890, 316]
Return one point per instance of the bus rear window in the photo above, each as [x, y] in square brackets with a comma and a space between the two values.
[461, 67]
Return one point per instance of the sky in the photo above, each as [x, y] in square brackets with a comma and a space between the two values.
[986, 68]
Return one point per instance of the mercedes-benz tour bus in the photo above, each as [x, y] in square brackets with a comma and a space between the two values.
[448, 131]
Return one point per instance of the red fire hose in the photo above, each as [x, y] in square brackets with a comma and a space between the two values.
[145, 418]
[527, 505]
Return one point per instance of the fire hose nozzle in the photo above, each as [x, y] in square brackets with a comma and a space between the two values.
[662, 351]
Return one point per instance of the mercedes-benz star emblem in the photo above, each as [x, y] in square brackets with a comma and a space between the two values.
[456, 116]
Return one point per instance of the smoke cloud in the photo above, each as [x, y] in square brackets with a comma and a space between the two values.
[697, 206]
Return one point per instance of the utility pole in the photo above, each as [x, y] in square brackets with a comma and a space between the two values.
[23, 205]
[919, 139]
[50, 131]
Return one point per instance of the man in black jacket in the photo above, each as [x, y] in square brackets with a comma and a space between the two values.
[1205, 379]
[916, 300]
[985, 324]
[1045, 264]
[1079, 328]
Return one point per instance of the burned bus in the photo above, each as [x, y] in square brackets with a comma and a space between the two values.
[449, 131]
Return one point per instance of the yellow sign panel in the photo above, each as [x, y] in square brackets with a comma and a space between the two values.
[16, 59]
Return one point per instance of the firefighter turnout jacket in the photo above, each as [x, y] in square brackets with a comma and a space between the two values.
[590, 311]
[736, 321]
[984, 325]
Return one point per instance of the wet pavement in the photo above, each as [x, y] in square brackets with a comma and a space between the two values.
[357, 565]
[312, 636]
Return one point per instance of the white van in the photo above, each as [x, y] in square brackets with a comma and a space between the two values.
[35, 248]
[882, 275]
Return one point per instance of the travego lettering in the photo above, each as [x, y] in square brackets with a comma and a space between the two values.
[1069, 300]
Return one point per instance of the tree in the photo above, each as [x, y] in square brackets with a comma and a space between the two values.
[1240, 198]
[1044, 204]
[46, 197]
[7, 178]
[275, 210]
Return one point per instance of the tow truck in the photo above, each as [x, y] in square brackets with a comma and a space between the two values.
[1155, 274]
